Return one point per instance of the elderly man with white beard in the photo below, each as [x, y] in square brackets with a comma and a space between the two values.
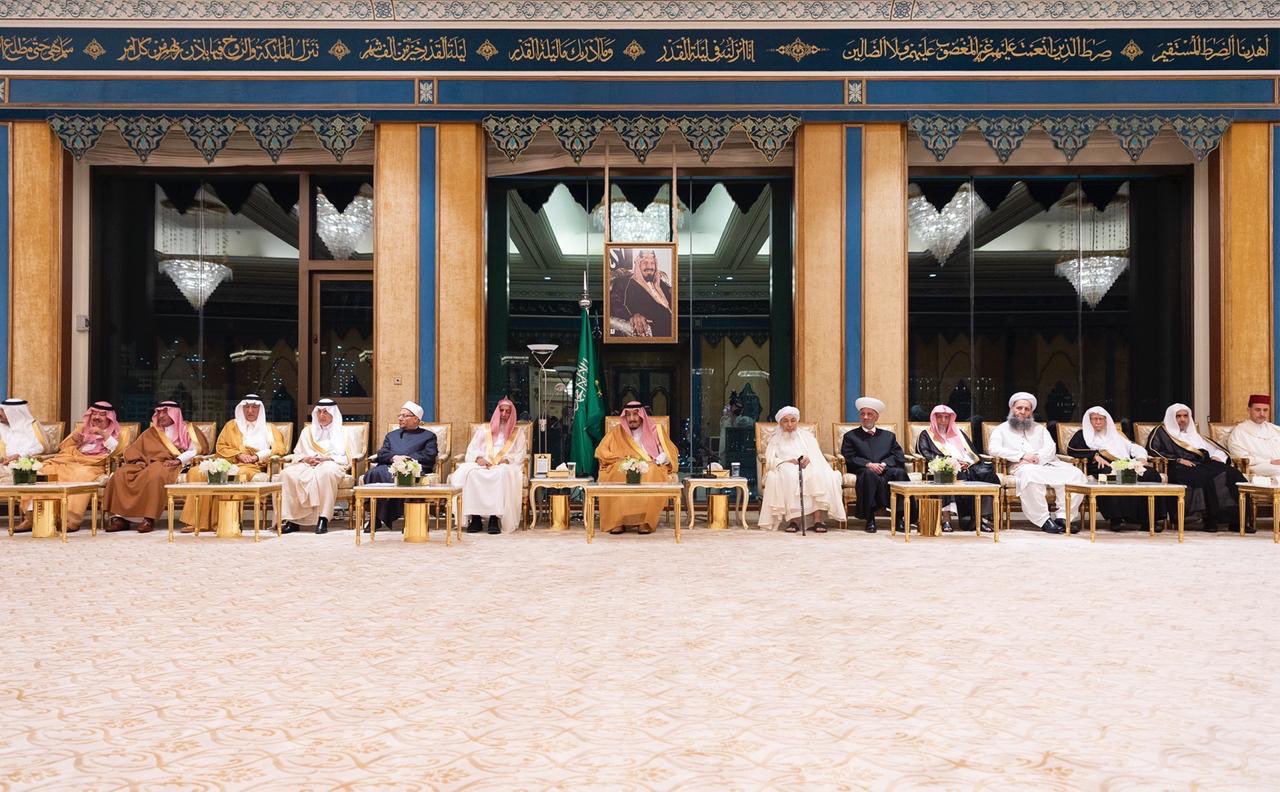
[1029, 450]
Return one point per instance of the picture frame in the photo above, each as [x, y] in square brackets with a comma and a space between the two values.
[632, 312]
[541, 465]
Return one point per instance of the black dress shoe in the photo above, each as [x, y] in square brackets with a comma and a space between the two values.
[289, 527]
[1117, 524]
[1060, 522]
[1210, 527]
[494, 527]
[322, 526]
[368, 526]
[476, 525]
[871, 525]
[985, 526]
[1051, 527]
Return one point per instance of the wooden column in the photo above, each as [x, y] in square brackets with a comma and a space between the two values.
[884, 269]
[819, 276]
[460, 305]
[36, 318]
[395, 277]
[1245, 315]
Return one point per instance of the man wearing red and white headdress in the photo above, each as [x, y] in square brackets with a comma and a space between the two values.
[135, 493]
[637, 437]
[1257, 440]
[490, 476]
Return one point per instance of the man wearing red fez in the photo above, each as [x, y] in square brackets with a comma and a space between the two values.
[1258, 440]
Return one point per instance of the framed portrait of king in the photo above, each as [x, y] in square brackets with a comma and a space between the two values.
[640, 293]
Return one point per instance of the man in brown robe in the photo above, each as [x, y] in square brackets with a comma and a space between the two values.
[248, 442]
[135, 493]
[639, 437]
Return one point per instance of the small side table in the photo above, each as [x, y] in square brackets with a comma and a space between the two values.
[960, 489]
[536, 484]
[57, 492]
[738, 484]
[668, 491]
[1253, 493]
[257, 491]
[1094, 490]
[449, 495]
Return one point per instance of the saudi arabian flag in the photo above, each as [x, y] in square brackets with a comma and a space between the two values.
[588, 404]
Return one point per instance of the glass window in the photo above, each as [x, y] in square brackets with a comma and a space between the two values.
[733, 301]
[1058, 286]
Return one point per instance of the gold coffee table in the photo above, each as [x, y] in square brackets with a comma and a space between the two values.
[739, 484]
[56, 492]
[537, 484]
[449, 496]
[960, 489]
[257, 491]
[1251, 493]
[669, 490]
[1095, 490]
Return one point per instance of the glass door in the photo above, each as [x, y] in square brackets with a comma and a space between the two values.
[341, 341]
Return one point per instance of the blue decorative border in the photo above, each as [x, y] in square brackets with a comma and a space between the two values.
[852, 270]
[1039, 93]
[576, 12]
[427, 171]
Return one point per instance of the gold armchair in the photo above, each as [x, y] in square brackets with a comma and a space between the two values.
[1065, 431]
[1220, 435]
[849, 481]
[663, 421]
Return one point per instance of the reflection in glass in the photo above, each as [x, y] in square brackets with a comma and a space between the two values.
[346, 338]
[1037, 294]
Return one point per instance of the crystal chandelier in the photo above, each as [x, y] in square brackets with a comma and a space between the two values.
[193, 246]
[943, 231]
[629, 224]
[341, 231]
[1093, 276]
[195, 279]
[1094, 268]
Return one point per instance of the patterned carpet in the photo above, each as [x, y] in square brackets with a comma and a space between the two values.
[738, 660]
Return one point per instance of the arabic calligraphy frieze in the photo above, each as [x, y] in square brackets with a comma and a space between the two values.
[642, 50]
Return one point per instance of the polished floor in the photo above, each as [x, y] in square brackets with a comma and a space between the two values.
[737, 660]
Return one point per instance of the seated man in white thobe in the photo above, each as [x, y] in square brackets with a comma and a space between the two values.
[310, 483]
[490, 477]
[20, 435]
[794, 452]
[1257, 440]
[1029, 450]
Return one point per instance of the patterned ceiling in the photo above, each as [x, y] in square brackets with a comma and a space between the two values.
[631, 12]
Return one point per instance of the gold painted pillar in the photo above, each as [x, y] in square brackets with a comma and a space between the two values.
[884, 269]
[1245, 316]
[460, 305]
[395, 277]
[36, 320]
[819, 275]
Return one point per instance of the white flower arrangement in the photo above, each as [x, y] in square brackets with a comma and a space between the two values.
[1137, 465]
[943, 464]
[635, 465]
[26, 463]
[218, 465]
[405, 466]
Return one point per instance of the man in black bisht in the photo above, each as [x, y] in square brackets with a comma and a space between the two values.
[874, 456]
[410, 440]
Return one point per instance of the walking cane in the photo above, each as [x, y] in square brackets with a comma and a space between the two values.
[800, 470]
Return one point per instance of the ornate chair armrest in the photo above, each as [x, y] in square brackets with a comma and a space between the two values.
[1241, 465]
[916, 463]
[359, 465]
[836, 461]
[1000, 464]
[1083, 464]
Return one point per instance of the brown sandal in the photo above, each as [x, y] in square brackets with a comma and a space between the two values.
[792, 527]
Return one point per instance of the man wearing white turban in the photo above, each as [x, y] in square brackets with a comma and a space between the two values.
[791, 451]
[1033, 461]
[875, 457]
[408, 440]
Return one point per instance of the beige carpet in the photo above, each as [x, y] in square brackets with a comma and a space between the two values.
[734, 661]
